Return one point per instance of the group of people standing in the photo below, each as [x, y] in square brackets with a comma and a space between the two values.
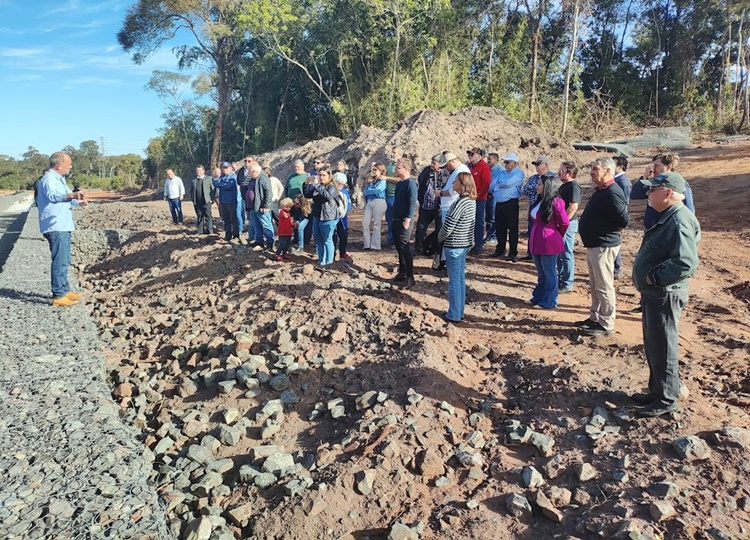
[467, 209]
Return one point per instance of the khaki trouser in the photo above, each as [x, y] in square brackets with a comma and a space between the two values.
[374, 212]
[601, 263]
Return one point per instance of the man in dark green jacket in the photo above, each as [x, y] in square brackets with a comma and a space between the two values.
[667, 259]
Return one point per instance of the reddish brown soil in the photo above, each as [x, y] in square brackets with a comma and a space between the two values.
[539, 371]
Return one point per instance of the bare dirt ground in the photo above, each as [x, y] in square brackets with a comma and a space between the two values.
[443, 445]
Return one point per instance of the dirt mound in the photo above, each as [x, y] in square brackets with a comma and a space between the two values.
[426, 133]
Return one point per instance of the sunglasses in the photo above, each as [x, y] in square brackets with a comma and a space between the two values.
[506, 162]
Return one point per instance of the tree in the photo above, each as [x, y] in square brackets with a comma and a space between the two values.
[150, 23]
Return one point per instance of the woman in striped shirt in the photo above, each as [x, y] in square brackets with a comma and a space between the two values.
[457, 236]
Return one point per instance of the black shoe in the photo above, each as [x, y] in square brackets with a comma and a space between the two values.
[512, 258]
[526, 258]
[657, 408]
[643, 398]
[408, 283]
[636, 310]
[498, 254]
[586, 323]
[399, 278]
[450, 321]
[597, 330]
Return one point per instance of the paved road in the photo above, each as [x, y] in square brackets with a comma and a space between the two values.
[13, 213]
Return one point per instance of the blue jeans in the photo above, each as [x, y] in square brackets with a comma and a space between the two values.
[175, 207]
[263, 228]
[301, 233]
[566, 264]
[455, 263]
[240, 212]
[618, 263]
[545, 292]
[479, 226]
[389, 216]
[59, 247]
[489, 217]
[323, 232]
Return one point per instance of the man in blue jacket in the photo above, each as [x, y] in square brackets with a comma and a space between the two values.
[667, 259]
[226, 185]
[404, 206]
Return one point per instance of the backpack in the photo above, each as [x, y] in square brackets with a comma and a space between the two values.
[340, 206]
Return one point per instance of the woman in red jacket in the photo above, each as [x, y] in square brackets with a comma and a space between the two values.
[550, 221]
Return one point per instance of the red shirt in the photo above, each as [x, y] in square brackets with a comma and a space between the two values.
[481, 173]
[286, 228]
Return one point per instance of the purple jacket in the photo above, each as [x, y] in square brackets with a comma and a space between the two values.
[547, 238]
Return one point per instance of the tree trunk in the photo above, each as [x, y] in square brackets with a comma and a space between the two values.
[534, 70]
[395, 69]
[568, 71]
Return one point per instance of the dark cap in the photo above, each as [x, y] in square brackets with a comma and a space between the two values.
[672, 180]
[225, 164]
[476, 150]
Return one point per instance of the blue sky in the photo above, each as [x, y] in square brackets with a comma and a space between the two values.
[66, 79]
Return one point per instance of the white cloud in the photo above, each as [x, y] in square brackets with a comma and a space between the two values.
[22, 52]
[24, 78]
[91, 81]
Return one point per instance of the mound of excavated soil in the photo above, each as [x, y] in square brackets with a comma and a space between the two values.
[426, 133]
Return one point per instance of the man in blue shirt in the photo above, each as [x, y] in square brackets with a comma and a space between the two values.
[506, 190]
[226, 185]
[404, 206]
[621, 179]
[55, 200]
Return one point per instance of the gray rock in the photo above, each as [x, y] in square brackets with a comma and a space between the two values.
[269, 430]
[280, 382]
[198, 529]
[364, 481]
[520, 435]
[399, 531]
[264, 451]
[163, 446]
[662, 510]
[247, 473]
[187, 389]
[475, 439]
[264, 480]
[297, 486]
[231, 415]
[692, 448]
[586, 472]
[60, 509]
[581, 497]
[366, 400]
[447, 407]
[663, 490]
[518, 505]
[200, 454]
[229, 435]
[621, 476]
[338, 411]
[736, 436]
[277, 463]
[288, 397]
[225, 387]
[554, 467]
[480, 351]
[543, 443]
[443, 481]
[211, 442]
[531, 478]
[209, 481]
[717, 534]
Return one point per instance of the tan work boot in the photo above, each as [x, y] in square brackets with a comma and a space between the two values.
[73, 296]
[63, 301]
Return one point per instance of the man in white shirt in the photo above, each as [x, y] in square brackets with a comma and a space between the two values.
[174, 191]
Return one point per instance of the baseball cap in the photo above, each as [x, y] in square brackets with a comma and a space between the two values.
[511, 156]
[476, 150]
[225, 164]
[438, 158]
[672, 180]
[541, 159]
[448, 156]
